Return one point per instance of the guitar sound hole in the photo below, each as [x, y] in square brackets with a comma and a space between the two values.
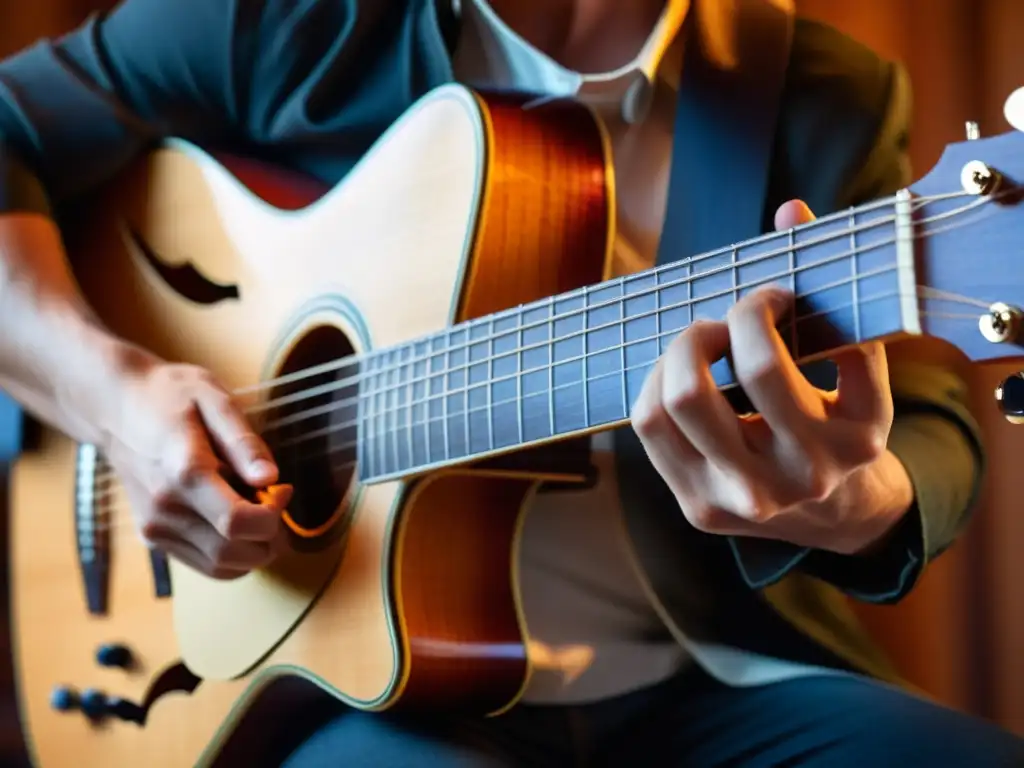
[312, 431]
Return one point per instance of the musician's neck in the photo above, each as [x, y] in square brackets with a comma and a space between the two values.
[583, 35]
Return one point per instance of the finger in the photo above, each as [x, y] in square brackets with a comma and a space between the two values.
[864, 392]
[863, 404]
[693, 400]
[182, 524]
[765, 368]
[792, 214]
[231, 515]
[185, 553]
[670, 453]
[240, 446]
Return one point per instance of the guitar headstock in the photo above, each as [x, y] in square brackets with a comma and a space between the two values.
[968, 223]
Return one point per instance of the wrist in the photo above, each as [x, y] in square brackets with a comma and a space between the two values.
[883, 494]
[106, 364]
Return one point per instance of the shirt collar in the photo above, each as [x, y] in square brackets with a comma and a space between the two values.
[492, 54]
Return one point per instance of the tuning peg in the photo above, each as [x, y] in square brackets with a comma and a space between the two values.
[1010, 396]
[972, 130]
[1013, 109]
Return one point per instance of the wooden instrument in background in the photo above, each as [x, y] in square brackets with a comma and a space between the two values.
[410, 343]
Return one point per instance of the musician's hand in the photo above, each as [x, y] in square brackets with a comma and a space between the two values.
[811, 468]
[178, 439]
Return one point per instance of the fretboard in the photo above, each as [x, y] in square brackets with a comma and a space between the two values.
[576, 362]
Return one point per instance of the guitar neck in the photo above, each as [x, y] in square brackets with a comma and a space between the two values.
[575, 363]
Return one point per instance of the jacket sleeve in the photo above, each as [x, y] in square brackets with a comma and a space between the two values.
[244, 74]
[75, 110]
[844, 138]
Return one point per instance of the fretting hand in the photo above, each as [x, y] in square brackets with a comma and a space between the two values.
[810, 468]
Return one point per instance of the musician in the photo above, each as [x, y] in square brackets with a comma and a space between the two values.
[687, 609]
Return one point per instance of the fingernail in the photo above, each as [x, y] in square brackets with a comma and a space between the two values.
[261, 466]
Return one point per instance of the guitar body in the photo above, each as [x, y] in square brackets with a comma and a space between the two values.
[400, 592]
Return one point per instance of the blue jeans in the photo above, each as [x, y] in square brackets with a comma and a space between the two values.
[691, 720]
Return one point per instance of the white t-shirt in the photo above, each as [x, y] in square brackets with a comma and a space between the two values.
[595, 628]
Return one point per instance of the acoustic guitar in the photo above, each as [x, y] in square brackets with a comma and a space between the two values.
[411, 343]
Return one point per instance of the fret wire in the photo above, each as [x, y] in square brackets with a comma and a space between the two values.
[465, 403]
[585, 346]
[466, 433]
[735, 277]
[792, 289]
[410, 373]
[384, 417]
[362, 436]
[398, 404]
[855, 289]
[379, 427]
[444, 400]
[427, 442]
[626, 405]
[389, 403]
[520, 428]
[657, 307]
[551, 365]
[490, 386]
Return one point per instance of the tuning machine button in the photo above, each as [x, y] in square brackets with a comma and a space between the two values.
[978, 178]
[1001, 324]
[93, 704]
[1010, 396]
[63, 699]
[115, 655]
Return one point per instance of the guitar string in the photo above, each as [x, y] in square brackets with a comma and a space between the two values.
[108, 474]
[405, 406]
[467, 326]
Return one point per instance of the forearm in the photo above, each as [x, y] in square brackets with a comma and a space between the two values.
[55, 358]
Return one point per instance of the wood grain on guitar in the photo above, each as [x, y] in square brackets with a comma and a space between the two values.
[411, 343]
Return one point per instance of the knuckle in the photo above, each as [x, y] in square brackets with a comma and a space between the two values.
[757, 373]
[228, 524]
[689, 395]
[164, 496]
[871, 445]
[819, 484]
[186, 472]
[703, 516]
[753, 502]
[214, 394]
[647, 417]
[694, 336]
[220, 553]
[149, 529]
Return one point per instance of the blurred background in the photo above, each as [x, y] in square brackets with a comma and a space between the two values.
[960, 636]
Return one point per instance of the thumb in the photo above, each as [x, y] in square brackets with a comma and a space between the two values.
[242, 448]
[792, 214]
